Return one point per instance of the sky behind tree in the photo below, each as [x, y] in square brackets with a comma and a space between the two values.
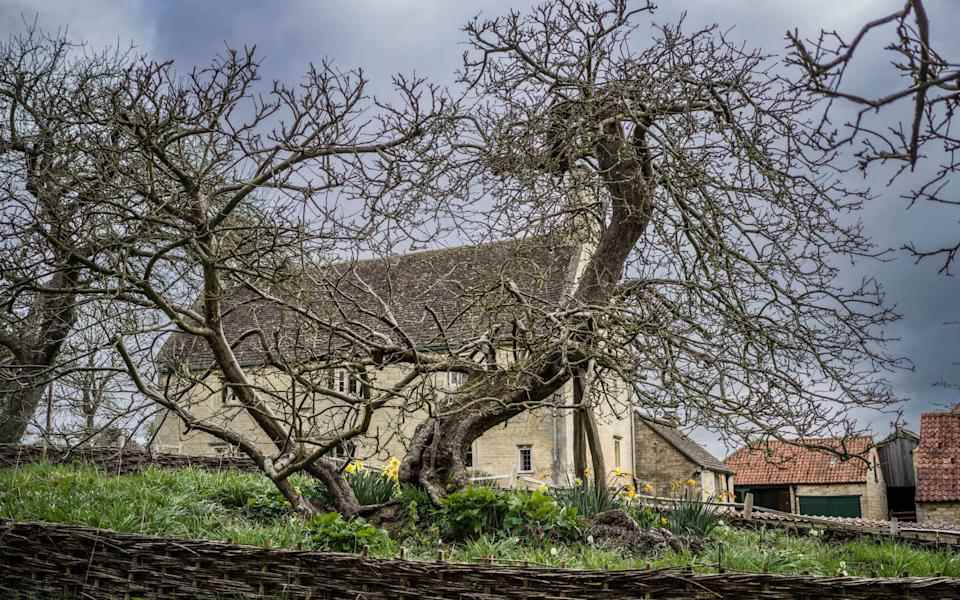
[388, 36]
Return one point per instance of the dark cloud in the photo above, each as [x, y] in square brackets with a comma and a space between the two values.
[385, 37]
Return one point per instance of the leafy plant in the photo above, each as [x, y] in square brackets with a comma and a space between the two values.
[328, 531]
[473, 511]
[691, 516]
[587, 499]
[537, 515]
[371, 487]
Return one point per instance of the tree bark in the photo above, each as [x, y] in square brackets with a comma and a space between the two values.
[18, 404]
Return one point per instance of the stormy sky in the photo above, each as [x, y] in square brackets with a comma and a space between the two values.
[389, 36]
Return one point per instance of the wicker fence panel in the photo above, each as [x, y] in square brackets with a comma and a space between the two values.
[78, 562]
[116, 460]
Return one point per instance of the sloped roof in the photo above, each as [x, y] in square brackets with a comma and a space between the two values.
[438, 297]
[938, 457]
[780, 463]
[686, 446]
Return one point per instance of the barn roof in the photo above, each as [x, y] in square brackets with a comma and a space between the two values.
[780, 463]
[686, 446]
[938, 457]
[438, 297]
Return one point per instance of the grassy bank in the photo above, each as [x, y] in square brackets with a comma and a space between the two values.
[242, 508]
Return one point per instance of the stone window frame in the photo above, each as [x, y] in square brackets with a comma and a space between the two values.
[525, 449]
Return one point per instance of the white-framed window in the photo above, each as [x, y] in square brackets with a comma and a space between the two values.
[344, 381]
[525, 458]
[455, 379]
[617, 442]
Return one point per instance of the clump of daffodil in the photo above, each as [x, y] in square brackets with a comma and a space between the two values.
[355, 466]
[392, 470]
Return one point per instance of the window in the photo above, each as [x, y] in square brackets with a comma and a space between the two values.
[343, 450]
[220, 447]
[616, 451]
[526, 458]
[455, 379]
[468, 457]
[344, 381]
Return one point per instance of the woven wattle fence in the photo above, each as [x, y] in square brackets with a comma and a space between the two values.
[118, 461]
[57, 561]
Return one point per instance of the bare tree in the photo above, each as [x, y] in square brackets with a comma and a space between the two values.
[710, 286]
[930, 94]
[260, 225]
[55, 168]
[225, 190]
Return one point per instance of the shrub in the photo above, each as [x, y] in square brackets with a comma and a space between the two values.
[328, 531]
[473, 511]
[479, 510]
[538, 515]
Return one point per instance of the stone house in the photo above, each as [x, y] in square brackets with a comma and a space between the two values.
[937, 461]
[462, 288]
[664, 456]
[794, 479]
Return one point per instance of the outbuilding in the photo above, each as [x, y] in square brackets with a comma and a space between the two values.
[825, 477]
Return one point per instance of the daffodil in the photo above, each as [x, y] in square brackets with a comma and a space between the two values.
[647, 488]
[618, 472]
[354, 467]
[663, 521]
[577, 482]
[586, 472]
[392, 470]
[630, 492]
[691, 483]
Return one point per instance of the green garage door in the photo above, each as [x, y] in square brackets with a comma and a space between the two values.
[830, 506]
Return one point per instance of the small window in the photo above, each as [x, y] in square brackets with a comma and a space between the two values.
[345, 382]
[221, 448]
[343, 450]
[455, 379]
[616, 451]
[468, 457]
[526, 459]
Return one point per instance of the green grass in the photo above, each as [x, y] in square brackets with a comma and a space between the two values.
[242, 508]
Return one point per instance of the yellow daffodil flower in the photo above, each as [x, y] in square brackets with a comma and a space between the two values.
[630, 492]
[354, 467]
[392, 470]
[691, 483]
[647, 488]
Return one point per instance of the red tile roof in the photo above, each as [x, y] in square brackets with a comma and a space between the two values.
[938, 457]
[779, 463]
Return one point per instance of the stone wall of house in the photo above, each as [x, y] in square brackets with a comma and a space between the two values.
[876, 490]
[497, 452]
[873, 499]
[939, 513]
[658, 462]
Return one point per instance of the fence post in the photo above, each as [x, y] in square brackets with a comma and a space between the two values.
[748, 506]
[894, 526]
